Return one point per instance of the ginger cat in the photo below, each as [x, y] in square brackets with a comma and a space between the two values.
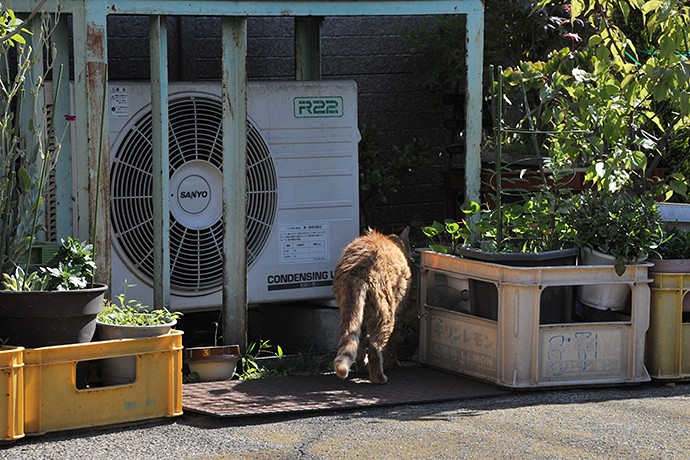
[371, 282]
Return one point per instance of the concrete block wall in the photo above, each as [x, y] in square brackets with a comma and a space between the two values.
[370, 50]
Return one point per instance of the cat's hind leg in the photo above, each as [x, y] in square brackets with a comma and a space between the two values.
[351, 304]
[376, 374]
[380, 326]
[361, 360]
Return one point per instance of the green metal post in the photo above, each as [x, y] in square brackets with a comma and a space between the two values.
[473, 108]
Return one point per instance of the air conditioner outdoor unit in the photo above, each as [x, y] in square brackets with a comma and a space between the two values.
[302, 189]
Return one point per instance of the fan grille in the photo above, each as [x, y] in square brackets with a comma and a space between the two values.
[195, 149]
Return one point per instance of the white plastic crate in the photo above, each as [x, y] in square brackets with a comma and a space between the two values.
[516, 350]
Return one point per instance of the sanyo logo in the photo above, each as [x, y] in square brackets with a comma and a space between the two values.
[192, 194]
[318, 107]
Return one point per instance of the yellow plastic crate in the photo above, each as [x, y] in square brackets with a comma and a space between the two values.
[11, 393]
[668, 338]
[53, 402]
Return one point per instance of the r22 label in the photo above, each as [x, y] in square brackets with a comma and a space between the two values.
[318, 107]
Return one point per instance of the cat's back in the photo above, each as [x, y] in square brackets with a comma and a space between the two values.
[372, 250]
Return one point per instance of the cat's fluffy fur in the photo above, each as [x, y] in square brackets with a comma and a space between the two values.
[371, 282]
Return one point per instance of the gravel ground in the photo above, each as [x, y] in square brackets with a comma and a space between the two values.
[646, 421]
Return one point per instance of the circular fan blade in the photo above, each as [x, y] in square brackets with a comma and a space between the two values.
[196, 230]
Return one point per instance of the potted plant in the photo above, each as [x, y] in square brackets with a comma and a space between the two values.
[531, 230]
[530, 234]
[56, 304]
[673, 253]
[671, 265]
[129, 319]
[599, 106]
[515, 344]
[614, 228]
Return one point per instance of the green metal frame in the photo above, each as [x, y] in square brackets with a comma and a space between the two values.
[89, 20]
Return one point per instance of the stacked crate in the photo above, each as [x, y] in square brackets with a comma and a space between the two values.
[45, 394]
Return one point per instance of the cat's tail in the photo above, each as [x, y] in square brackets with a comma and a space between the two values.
[351, 304]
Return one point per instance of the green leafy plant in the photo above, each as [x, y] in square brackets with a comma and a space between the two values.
[513, 31]
[131, 312]
[675, 245]
[447, 237]
[72, 267]
[623, 80]
[539, 223]
[29, 140]
[21, 281]
[79, 256]
[534, 221]
[624, 225]
[251, 369]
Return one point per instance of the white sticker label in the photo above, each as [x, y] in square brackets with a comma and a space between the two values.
[119, 101]
[304, 243]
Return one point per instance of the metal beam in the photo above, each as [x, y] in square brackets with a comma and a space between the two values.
[262, 7]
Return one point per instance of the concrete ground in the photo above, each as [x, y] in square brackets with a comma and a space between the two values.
[642, 421]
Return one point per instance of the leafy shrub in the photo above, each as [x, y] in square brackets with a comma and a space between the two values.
[624, 225]
[130, 312]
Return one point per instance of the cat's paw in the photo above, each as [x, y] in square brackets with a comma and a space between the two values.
[378, 379]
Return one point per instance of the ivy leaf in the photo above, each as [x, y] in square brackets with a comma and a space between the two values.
[441, 249]
[429, 231]
[452, 227]
[470, 207]
[679, 187]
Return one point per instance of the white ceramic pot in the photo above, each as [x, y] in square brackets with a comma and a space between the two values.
[213, 363]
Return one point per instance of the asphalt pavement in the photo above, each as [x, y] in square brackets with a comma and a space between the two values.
[646, 421]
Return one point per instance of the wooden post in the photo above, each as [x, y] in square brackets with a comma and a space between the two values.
[473, 101]
[161, 165]
[308, 47]
[92, 194]
[234, 310]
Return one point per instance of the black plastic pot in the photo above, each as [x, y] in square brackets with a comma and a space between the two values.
[45, 318]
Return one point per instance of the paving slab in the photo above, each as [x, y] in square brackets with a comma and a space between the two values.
[298, 394]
